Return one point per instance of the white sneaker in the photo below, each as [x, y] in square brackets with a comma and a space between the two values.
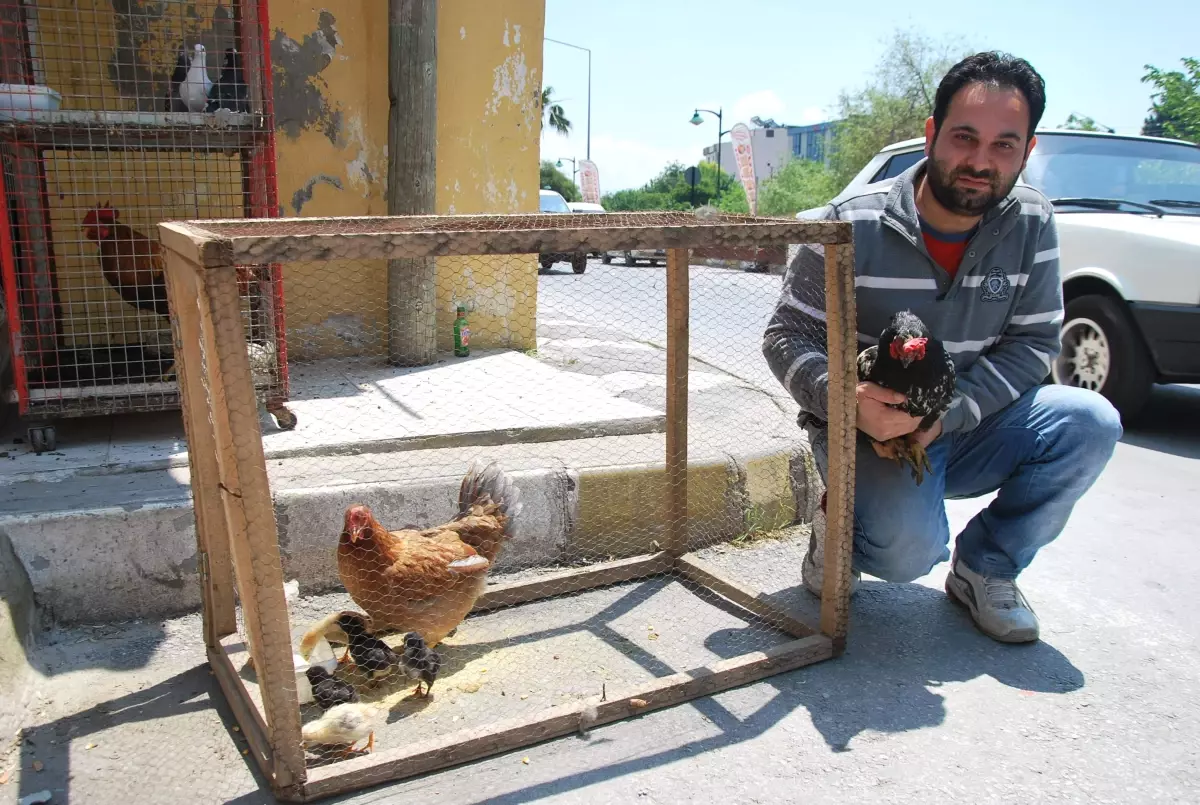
[996, 605]
[812, 569]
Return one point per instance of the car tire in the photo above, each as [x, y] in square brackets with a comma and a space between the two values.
[579, 263]
[1103, 351]
[630, 260]
[607, 259]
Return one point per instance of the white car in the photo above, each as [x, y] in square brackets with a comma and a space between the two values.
[552, 202]
[1128, 213]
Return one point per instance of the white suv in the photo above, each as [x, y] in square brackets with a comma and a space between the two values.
[1128, 213]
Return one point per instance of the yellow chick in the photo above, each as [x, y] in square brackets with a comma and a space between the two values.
[343, 725]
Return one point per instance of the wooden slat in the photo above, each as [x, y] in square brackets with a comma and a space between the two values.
[573, 581]
[225, 659]
[752, 600]
[468, 745]
[251, 518]
[677, 400]
[194, 244]
[187, 297]
[842, 329]
[285, 248]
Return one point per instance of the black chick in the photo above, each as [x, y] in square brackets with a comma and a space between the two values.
[229, 91]
[911, 361]
[420, 662]
[373, 657]
[328, 690]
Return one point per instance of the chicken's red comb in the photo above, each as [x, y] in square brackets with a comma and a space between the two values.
[103, 214]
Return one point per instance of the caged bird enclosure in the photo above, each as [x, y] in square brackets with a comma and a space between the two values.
[114, 117]
[514, 506]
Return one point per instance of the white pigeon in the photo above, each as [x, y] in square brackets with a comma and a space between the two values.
[194, 89]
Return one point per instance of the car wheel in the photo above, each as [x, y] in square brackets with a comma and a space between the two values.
[579, 263]
[546, 264]
[1103, 351]
[630, 260]
[607, 258]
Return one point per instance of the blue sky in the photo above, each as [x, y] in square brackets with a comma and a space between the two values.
[654, 61]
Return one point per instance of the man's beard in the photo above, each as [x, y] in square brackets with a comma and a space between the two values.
[944, 186]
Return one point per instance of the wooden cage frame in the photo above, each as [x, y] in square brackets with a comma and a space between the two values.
[230, 485]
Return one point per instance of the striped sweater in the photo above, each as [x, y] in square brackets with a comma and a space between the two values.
[1000, 317]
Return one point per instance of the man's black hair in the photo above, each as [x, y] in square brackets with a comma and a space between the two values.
[997, 70]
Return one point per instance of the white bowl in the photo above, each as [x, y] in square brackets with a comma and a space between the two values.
[20, 101]
[321, 655]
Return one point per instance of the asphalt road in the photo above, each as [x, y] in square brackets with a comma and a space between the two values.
[729, 310]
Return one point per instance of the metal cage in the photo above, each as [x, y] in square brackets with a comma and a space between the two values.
[107, 127]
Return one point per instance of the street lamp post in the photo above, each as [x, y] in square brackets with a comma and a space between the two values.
[696, 121]
[574, 167]
[589, 101]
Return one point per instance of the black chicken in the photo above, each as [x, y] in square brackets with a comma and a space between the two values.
[328, 690]
[373, 657]
[911, 361]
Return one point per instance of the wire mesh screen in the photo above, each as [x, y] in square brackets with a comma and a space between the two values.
[114, 117]
[516, 482]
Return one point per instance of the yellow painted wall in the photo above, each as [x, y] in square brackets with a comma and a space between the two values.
[489, 125]
[331, 118]
[331, 110]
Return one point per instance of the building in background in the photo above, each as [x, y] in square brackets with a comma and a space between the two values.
[774, 144]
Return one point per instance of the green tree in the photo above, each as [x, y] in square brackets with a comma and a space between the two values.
[555, 117]
[1083, 123]
[554, 179]
[669, 190]
[896, 101]
[800, 185]
[1175, 109]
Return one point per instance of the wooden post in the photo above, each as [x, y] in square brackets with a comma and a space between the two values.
[187, 297]
[677, 399]
[411, 187]
[250, 518]
[842, 333]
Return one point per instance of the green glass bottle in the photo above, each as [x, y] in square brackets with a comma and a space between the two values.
[462, 334]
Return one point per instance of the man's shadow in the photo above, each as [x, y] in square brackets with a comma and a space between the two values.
[907, 640]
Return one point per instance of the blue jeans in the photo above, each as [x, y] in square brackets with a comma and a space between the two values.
[1042, 452]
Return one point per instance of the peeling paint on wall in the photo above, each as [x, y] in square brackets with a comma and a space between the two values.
[300, 101]
[369, 165]
[510, 81]
[305, 194]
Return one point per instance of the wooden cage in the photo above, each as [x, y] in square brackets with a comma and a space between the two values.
[240, 557]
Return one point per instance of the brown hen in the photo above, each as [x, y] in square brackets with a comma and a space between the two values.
[427, 581]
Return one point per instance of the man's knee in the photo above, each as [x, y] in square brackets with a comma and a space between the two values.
[905, 560]
[1088, 422]
[903, 547]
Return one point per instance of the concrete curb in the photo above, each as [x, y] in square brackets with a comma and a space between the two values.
[115, 564]
[16, 638]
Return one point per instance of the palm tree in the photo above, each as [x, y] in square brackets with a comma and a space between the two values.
[557, 119]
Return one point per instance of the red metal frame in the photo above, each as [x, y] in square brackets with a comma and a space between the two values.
[8, 269]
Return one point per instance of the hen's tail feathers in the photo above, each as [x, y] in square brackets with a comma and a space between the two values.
[327, 627]
[490, 484]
